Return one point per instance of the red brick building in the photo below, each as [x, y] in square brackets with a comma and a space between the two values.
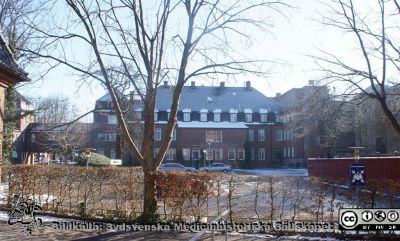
[10, 74]
[234, 125]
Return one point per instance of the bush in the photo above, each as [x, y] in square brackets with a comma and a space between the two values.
[94, 160]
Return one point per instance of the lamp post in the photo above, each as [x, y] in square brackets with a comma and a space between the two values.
[204, 157]
[209, 141]
[88, 152]
[357, 150]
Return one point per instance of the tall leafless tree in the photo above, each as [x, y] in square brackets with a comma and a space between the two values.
[154, 41]
[374, 29]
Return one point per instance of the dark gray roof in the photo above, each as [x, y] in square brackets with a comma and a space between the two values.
[211, 98]
[7, 59]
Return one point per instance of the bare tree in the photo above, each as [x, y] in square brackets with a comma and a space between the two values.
[375, 37]
[153, 42]
[51, 113]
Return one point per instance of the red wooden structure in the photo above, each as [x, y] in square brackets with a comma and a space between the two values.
[339, 168]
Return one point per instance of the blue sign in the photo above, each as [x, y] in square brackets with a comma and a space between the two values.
[357, 174]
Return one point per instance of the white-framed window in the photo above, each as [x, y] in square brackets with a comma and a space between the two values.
[209, 155]
[261, 135]
[174, 134]
[264, 118]
[112, 119]
[252, 154]
[261, 154]
[157, 134]
[214, 136]
[171, 154]
[196, 154]
[292, 151]
[113, 154]
[217, 117]
[186, 154]
[241, 154]
[106, 137]
[156, 150]
[278, 135]
[231, 153]
[218, 154]
[233, 117]
[251, 134]
[249, 117]
[203, 117]
[186, 116]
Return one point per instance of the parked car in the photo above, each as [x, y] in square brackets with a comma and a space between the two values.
[176, 166]
[217, 167]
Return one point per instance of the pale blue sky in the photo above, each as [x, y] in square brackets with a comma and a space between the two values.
[292, 39]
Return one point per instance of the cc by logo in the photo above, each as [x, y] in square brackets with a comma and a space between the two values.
[349, 219]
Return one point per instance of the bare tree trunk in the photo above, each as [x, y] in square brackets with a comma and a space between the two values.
[150, 208]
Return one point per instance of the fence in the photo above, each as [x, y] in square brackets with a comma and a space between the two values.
[117, 193]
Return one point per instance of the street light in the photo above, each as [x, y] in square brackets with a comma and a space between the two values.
[357, 150]
[209, 141]
[87, 152]
[204, 157]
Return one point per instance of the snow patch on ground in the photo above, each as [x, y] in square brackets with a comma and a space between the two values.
[4, 217]
[301, 172]
[3, 196]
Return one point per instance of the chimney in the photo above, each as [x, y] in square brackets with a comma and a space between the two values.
[193, 84]
[131, 94]
[248, 85]
[278, 94]
[311, 82]
[222, 84]
[165, 83]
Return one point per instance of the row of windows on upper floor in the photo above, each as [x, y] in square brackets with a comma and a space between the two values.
[204, 117]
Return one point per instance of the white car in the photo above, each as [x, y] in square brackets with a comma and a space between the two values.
[176, 166]
[217, 167]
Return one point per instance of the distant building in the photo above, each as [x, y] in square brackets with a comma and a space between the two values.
[232, 124]
[25, 111]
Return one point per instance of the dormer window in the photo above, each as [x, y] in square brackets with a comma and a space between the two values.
[233, 115]
[186, 115]
[217, 115]
[248, 115]
[203, 115]
[264, 115]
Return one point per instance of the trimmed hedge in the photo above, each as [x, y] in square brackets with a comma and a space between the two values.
[94, 160]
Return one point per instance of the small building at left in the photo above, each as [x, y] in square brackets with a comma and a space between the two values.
[10, 74]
